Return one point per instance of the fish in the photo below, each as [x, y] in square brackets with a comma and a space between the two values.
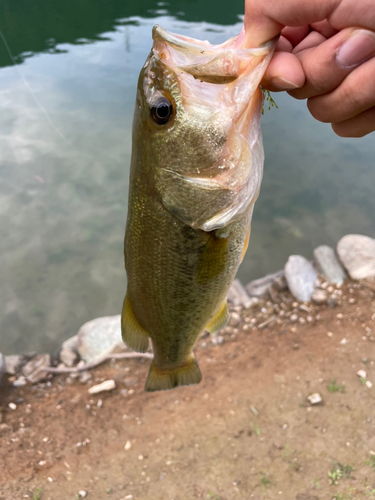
[196, 170]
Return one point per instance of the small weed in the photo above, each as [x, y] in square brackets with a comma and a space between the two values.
[269, 99]
[37, 493]
[213, 496]
[316, 483]
[338, 472]
[343, 496]
[334, 387]
[363, 380]
[371, 462]
[370, 493]
[287, 451]
[264, 480]
[256, 429]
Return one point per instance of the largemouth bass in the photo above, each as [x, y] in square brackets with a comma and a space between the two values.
[196, 170]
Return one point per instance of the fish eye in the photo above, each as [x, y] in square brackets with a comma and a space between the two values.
[162, 111]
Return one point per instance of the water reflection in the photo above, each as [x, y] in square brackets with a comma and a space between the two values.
[63, 188]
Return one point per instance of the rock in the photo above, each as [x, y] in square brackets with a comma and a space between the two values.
[71, 343]
[107, 385]
[319, 296]
[82, 494]
[315, 398]
[217, 339]
[68, 356]
[12, 406]
[14, 363]
[20, 382]
[259, 287]
[85, 377]
[294, 318]
[234, 319]
[128, 445]
[362, 373]
[328, 264]
[100, 337]
[238, 296]
[33, 369]
[2, 366]
[357, 254]
[300, 276]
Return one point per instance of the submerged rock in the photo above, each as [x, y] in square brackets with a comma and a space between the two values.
[99, 337]
[259, 287]
[328, 264]
[357, 254]
[300, 276]
[33, 369]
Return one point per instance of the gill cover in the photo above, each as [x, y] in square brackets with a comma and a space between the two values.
[224, 80]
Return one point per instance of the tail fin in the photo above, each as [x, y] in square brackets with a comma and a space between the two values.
[162, 380]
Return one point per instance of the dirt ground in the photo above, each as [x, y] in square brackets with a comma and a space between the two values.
[246, 432]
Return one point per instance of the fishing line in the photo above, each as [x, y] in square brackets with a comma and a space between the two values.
[36, 100]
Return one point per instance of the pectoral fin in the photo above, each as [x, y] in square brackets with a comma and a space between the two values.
[219, 321]
[162, 380]
[134, 336]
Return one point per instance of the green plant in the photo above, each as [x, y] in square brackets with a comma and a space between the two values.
[269, 99]
[287, 451]
[371, 462]
[363, 380]
[256, 429]
[213, 496]
[316, 483]
[264, 480]
[338, 472]
[37, 493]
[334, 387]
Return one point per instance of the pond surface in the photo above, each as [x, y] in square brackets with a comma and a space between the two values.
[66, 105]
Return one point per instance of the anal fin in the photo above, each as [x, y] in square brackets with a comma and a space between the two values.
[163, 379]
[219, 321]
[134, 336]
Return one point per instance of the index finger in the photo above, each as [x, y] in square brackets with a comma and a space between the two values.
[264, 19]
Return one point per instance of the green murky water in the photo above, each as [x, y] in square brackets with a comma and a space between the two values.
[65, 125]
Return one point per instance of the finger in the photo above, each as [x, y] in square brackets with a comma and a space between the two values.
[295, 35]
[283, 45]
[312, 40]
[327, 64]
[265, 19]
[324, 28]
[283, 73]
[355, 95]
[358, 126]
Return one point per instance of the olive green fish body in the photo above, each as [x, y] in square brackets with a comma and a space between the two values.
[195, 175]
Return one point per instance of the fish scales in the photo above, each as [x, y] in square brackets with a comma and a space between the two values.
[195, 174]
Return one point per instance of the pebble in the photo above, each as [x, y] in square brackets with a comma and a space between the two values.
[294, 318]
[234, 319]
[12, 406]
[33, 369]
[68, 356]
[217, 339]
[330, 334]
[85, 377]
[315, 398]
[260, 287]
[20, 382]
[128, 445]
[319, 296]
[238, 296]
[368, 384]
[357, 253]
[362, 373]
[107, 385]
[343, 341]
[82, 494]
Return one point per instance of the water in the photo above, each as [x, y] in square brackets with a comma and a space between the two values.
[64, 168]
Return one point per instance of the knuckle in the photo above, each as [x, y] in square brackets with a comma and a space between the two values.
[318, 110]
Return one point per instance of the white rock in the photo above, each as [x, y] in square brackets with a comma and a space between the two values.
[107, 385]
[343, 341]
[20, 382]
[300, 276]
[128, 445]
[12, 406]
[85, 377]
[319, 296]
[328, 264]
[357, 254]
[315, 398]
[68, 356]
[217, 339]
[100, 337]
[238, 296]
[234, 319]
[14, 363]
[368, 384]
[362, 373]
[33, 369]
[71, 342]
[82, 494]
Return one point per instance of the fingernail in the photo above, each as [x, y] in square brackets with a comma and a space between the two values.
[283, 84]
[356, 49]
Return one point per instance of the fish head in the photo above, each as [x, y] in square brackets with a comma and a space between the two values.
[197, 118]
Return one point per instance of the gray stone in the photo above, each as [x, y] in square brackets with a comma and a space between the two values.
[68, 356]
[259, 287]
[33, 369]
[357, 254]
[2, 366]
[14, 363]
[99, 337]
[328, 264]
[20, 382]
[234, 319]
[319, 296]
[238, 296]
[71, 343]
[300, 276]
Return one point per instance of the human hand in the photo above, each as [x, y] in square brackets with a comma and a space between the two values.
[325, 54]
